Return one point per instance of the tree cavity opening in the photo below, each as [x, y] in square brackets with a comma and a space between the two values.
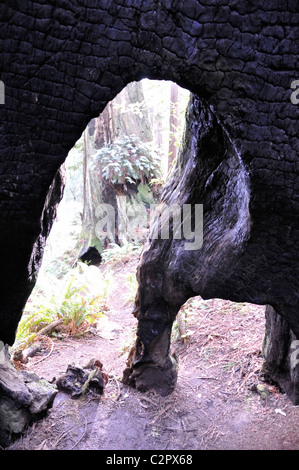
[77, 277]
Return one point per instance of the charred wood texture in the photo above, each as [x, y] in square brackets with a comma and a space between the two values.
[62, 64]
[281, 354]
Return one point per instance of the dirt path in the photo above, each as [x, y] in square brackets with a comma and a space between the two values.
[215, 404]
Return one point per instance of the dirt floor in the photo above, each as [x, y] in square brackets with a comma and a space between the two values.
[216, 404]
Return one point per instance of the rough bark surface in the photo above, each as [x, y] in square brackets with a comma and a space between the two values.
[209, 173]
[281, 354]
[62, 63]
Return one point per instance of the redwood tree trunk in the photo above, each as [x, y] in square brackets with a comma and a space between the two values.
[126, 114]
[173, 124]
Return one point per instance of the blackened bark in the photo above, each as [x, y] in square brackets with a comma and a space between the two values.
[62, 65]
[281, 354]
[169, 271]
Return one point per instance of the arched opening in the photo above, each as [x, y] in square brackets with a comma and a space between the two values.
[214, 328]
[149, 113]
[147, 120]
[61, 66]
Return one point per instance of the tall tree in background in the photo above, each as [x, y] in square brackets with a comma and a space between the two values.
[126, 115]
[167, 104]
[102, 127]
[173, 124]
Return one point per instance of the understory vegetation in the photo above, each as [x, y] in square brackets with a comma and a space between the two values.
[74, 302]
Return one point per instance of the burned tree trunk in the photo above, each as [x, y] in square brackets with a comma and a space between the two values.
[83, 56]
[281, 354]
[171, 271]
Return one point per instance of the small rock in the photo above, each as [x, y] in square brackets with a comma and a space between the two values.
[23, 397]
[263, 391]
[43, 393]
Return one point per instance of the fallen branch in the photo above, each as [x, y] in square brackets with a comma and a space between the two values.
[207, 378]
[86, 384]
[49, 328]
[49, 354]
[161, 412]
[23, 356]
[64, 434]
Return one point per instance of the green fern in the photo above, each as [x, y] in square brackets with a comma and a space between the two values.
[74, 303]
[127, 160]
